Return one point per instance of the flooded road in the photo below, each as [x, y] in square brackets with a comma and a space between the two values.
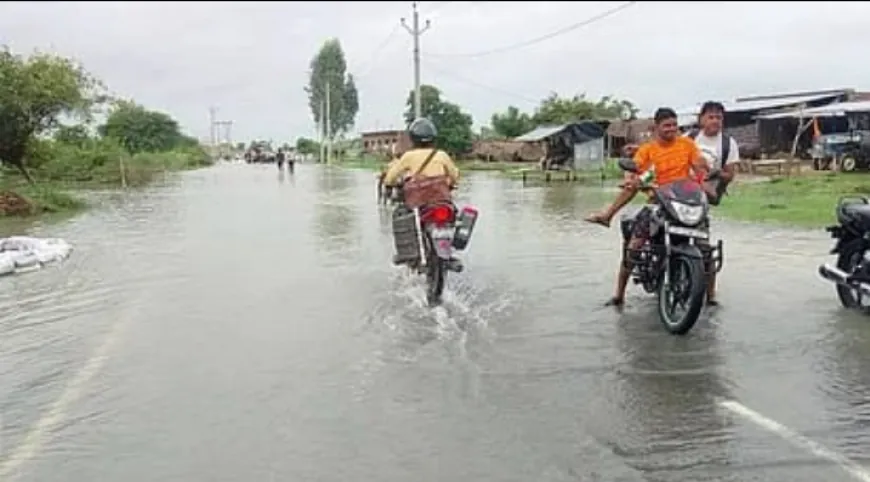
[234, 326]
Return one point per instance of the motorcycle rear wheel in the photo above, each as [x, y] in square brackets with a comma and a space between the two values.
[436, 274]
[687, 282]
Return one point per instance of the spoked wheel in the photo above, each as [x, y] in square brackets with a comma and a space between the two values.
[849, 261]
[681, 294]
[436, 273]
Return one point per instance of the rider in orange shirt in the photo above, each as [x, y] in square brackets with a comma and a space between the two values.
[674, 158]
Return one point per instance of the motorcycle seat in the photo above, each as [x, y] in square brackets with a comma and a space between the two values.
[858, 213]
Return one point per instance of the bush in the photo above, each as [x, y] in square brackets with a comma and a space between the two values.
[99, 161]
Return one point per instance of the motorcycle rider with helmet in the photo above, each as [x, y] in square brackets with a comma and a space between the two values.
[422, 133]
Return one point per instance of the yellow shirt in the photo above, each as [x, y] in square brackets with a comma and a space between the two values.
[410, 162]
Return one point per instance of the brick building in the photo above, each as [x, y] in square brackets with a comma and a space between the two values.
[386, 143]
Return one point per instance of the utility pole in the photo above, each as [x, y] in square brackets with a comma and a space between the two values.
[328, 127]
[415, 32]
[320, 131]
[212, 115]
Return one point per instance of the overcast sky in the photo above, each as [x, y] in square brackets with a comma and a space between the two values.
[250, 59]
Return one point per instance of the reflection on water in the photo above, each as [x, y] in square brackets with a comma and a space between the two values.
[671, 386]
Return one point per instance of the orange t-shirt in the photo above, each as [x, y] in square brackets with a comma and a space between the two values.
[673, 161]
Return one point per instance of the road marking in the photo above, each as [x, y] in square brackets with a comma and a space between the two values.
[56, 414]
[789, 435]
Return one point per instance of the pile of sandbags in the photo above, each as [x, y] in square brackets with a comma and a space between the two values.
[23, 253]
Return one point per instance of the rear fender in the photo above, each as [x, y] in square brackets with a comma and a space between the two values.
[442, 240]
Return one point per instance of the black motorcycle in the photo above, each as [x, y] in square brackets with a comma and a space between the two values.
[852, 272]
[677, 258]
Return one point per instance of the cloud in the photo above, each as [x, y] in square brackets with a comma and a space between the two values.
[251, 58]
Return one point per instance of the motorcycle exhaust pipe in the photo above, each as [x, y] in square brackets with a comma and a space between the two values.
[836, 275]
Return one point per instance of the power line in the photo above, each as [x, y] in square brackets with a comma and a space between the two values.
[377, 53]
[542, 38]
[479, 85]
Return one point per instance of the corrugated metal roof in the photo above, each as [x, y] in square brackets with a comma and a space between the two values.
[830, 110]
[763, 104]
[540, 133]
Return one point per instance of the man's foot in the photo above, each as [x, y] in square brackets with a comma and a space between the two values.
[615, 302]
[712, 302]
[455, 265]
[598, 218]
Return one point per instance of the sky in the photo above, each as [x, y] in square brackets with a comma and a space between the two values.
[250, 59]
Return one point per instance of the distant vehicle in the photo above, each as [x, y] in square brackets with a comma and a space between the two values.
[852, 150]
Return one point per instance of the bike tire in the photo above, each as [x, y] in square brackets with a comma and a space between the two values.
[697, 292]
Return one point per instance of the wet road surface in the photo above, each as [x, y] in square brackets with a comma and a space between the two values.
[233, 326]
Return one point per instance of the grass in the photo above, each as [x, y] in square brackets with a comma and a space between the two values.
[806, 201]
[59, 170]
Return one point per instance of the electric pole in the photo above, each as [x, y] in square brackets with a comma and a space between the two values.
[212, 114]
[328, 127]
[320, 131]
[415, 32]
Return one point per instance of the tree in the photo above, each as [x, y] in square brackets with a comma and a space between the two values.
[240, 146]
[512, 123]
[141, 130]
[557, 110]
[34, 92]
[305, 145]
[76, 135]
[454, 126]
[328, 68]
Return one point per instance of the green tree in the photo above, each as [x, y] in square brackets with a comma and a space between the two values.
[512, 123]
[305, 145]
[454, 126]
[240, 146]
[35, 92]
[76, 135]
[141, 130]
[562, 110]
[328, 68]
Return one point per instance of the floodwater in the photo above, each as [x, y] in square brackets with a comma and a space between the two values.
[234, 325]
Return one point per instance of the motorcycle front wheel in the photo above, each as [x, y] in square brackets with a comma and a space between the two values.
[683, 287]
[850, 261]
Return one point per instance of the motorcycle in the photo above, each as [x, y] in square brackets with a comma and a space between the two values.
[677, 258]
[427, 238]
[851, 275]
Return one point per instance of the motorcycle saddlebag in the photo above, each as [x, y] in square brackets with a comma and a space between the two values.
[405, 234]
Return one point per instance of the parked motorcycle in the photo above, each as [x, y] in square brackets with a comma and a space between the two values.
[427, 238]
[851, 274]
[677, 259]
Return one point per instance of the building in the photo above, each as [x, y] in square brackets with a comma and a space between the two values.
[386, 143]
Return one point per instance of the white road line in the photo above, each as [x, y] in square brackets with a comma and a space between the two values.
[56, 414]
[789, 435]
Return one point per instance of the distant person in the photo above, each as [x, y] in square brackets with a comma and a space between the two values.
[280, 158]
[720, 151]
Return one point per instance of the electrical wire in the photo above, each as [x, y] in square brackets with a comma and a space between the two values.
[459, 78]
[556, 33]
[372, 61]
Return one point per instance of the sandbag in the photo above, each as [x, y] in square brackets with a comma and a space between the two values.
[7, 263]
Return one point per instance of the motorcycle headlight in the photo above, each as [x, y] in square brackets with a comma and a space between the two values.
[688, 215]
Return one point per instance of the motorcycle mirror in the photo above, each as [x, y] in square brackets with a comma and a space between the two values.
[627, 164]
